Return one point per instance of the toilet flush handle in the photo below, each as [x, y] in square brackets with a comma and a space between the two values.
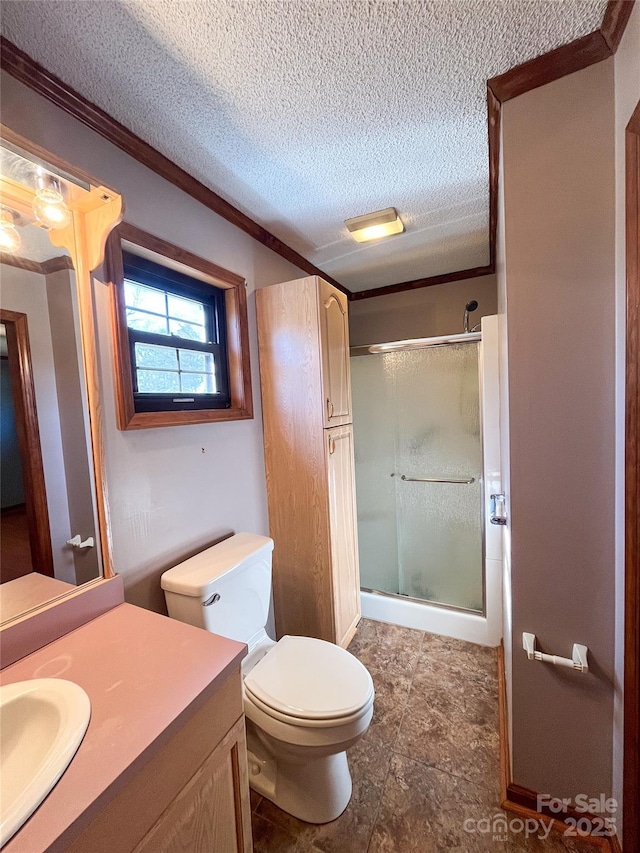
[212, 599]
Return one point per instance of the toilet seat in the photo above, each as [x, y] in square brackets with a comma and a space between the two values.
[257, 710]
[309, 682]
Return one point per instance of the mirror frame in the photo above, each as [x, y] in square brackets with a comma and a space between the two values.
[84, 238]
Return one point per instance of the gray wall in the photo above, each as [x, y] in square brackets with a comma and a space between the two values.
[558, 144]
[422, 313]
[174, 490]
[69, 370]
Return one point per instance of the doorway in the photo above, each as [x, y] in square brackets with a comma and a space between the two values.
[26, 538]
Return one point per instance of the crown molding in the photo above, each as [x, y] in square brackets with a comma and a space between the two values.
[61, 262]
[25, 69]
[567, 59]
[445, 278]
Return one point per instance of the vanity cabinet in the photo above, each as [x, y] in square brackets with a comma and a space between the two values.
[303, 337]
[191, 797]
[208, 814]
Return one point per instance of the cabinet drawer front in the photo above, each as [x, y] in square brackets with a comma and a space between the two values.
[344, 542]
[212, 813]
[334, 335]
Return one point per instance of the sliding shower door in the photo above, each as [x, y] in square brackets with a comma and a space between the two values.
[418, 469]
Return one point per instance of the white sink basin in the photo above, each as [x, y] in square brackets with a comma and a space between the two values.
[42, 723]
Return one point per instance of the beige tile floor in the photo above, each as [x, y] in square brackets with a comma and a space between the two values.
[428, 763]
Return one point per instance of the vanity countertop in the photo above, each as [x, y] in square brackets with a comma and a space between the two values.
[145, 675]
[31, 590]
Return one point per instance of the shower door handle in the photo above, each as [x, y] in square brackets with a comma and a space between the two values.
[495, 517]
[433, 480]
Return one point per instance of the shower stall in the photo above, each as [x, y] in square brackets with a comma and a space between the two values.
[427, 461]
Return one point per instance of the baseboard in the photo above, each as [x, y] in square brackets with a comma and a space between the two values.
[503, 725]
[614, 845]
[523, 801]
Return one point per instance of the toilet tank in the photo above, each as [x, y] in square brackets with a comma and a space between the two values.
[225, 589]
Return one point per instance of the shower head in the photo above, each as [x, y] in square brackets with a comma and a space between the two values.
[468, 308]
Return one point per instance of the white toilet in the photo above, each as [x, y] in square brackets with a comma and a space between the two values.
[306, 701]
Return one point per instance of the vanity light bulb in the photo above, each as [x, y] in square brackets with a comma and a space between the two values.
[9, 238]
[49, 209]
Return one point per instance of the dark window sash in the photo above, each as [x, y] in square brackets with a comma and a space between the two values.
[144, 272]
[179, 402]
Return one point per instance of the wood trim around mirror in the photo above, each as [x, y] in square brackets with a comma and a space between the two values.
[84, 239]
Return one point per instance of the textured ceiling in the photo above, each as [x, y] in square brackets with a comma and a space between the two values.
[305, 113]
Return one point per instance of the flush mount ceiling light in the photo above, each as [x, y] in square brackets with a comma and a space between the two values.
[373, 226]
[9, 238]
[49, 207]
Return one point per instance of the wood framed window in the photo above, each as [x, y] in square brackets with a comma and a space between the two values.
[180, 334]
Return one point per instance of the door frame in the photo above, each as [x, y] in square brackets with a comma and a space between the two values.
[26, 415]
[631, 796]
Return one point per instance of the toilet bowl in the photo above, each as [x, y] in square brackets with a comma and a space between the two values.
[306, 701]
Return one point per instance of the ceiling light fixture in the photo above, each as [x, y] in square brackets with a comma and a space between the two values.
[9, 238]
[49, 207]
[373, 226]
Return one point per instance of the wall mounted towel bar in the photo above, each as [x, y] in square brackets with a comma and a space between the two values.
[433, 479]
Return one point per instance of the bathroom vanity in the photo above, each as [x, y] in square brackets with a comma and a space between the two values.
[162, 766]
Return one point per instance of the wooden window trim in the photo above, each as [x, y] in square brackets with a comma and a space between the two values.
[237, 330]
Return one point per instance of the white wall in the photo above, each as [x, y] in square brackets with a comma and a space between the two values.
[25, 292]
[171, 490]
[627, 93]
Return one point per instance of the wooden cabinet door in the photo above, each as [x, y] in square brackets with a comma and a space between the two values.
[212, 813]
[344, 543]
[334, 340]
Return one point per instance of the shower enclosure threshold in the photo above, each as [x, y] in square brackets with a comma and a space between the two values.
[401, 596]
[448, 621]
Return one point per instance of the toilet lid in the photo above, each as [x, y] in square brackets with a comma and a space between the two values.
[310, 679]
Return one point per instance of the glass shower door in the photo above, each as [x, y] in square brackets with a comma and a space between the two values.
[416, 421]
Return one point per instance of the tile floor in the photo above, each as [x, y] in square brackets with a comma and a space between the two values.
[428, 762]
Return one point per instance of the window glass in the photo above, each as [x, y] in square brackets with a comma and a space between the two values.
[173, 324]
[186, 309]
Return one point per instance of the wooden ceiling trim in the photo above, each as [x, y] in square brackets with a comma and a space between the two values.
[60, 262]
[564, 60]
[25, 69]
[616, 18]
[551, 66]
[567, 59]
[445, 278]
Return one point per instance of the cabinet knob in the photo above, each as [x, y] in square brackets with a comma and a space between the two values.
[330, 408]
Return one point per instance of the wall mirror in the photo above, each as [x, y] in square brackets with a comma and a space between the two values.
[54, 534]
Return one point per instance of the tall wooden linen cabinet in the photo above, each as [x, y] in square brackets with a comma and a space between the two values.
[303, 337]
